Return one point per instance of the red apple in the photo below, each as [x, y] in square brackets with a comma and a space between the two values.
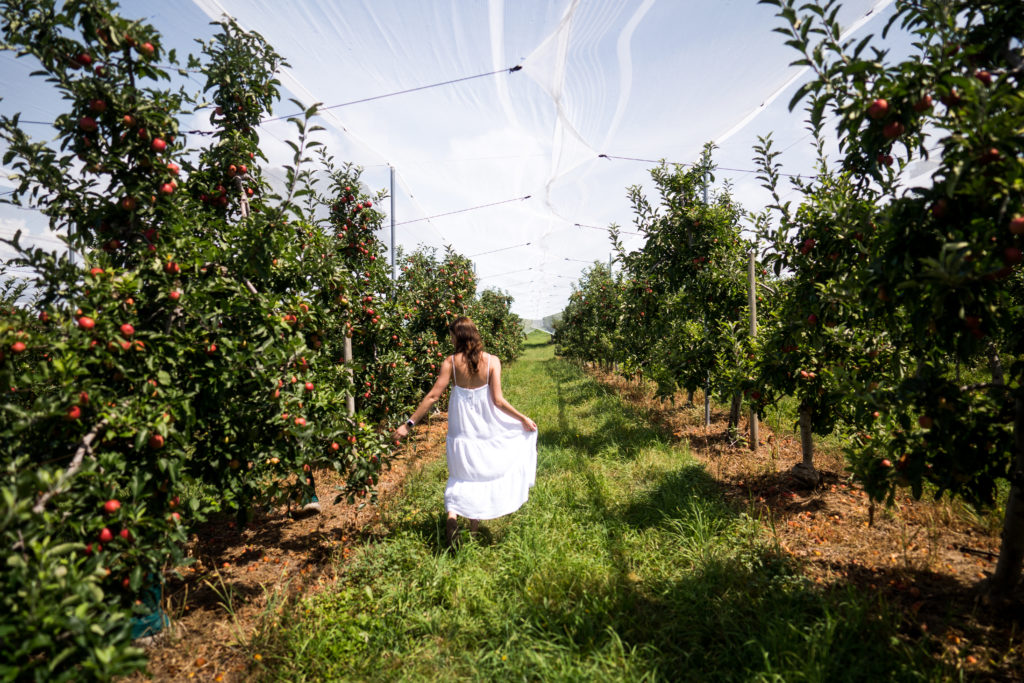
[86, 323]
[166, 189]
[146, 49]
[172, 268]
[878, 109]
[301, 421]
[174, 517]
[156, 441]
[106, 535]
[211, 350]
[983, 76]
[125, 534]
[893, 129]
[925, 422]
[158, 145]
[1012, 256]
[88, 124]
[83, 398]
[812, 319]
[886, 462]
[128, 203]
[98, 106]
[923, 104]
[1017, 225]
[18, 347]
[309, 386]
[242, 168]
[334, 446]
[127, 330]
[174, 294]
[884, 159]
[74, 412]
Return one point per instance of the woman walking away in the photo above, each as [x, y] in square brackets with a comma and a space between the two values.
[492, 447]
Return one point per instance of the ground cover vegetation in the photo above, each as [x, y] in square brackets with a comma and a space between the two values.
[893, 312]
[190, 359]
[627, 563]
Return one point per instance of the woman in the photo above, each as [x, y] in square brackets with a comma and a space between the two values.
[492, 447]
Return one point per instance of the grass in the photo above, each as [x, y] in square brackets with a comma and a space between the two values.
[625, 564]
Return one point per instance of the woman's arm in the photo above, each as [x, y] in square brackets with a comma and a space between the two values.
[440, 384]
[499, 399]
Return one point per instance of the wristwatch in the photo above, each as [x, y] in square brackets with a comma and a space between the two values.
[409, 423]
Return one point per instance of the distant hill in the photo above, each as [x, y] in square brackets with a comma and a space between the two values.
[545, 324]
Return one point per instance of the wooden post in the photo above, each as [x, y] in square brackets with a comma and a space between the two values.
[350, 399]
[752, 285]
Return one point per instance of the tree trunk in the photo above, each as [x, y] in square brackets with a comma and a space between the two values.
[689, 397]
[734, 411]
[804, 471]
[995, 364]
[1011, 553]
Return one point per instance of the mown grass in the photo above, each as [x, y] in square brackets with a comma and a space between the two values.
[626, 564]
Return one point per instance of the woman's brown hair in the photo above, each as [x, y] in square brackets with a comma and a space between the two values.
[467, 340]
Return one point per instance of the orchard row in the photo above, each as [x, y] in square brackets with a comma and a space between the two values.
[203, 356]
[892, 312]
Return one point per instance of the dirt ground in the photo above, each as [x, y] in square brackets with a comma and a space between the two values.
[927, 558]
[222, 597]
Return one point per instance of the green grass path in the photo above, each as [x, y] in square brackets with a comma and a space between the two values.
[625, 564]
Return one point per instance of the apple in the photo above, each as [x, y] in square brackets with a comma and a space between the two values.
[88, 124]
[940, 209]
[166, 189]
[86, 323]
[1012, 256]
[983, 76]
[127, 330]
[106, 535]
[172, 268]
[158, 145]
[83, 398]
[18, 347]
[211, 350]
[1017, 225]
[174, 294]
[884, 159]
[232, 170]
[156, 441]
[886, 462]
[335, 446]
[125, 534]
[128, 203]
[99, 106]
[812, 319]
[84, 59]
[368, 204]
[309, 386]
[990, 155]
[173, 167]
[146, 49]
[878, 109]
[242, 168]
[925, 422]
[892, 130]
[300, 421]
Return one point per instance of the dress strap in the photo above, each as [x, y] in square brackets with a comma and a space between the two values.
[454, 380]
[488, 375]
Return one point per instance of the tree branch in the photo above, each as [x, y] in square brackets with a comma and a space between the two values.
[84, 449]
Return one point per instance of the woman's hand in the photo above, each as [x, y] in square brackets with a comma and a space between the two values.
[400, 434]
[529, 425]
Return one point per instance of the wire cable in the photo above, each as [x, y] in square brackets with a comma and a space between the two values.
[495, 251]
[472, 208]
[721, 168]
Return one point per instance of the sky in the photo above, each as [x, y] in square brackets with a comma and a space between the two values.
[645, 79]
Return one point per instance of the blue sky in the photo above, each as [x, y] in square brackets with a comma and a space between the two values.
[638, 78]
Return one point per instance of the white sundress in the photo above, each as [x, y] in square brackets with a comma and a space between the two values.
[492, 460]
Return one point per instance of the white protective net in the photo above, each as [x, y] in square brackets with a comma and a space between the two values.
[641, 79]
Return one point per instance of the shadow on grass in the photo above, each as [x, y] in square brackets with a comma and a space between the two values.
[622, 427]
